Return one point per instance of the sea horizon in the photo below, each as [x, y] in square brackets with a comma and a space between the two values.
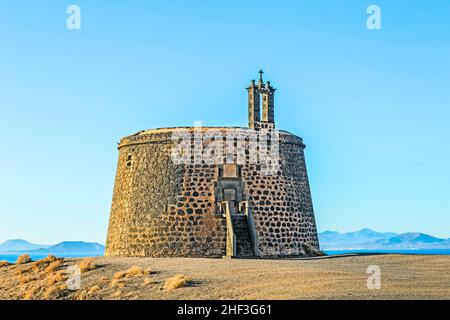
[392, 251]
[12, 257]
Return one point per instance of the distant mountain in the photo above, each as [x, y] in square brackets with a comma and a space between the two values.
[72, 247]
[412, 239]
[352, 239]
[66, 247]
[368, 239]
[20, 245]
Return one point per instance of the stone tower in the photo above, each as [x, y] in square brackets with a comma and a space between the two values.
[214, 191]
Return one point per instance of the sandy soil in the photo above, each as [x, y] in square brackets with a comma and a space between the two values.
[402, 277]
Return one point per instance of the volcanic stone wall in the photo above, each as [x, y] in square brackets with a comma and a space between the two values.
[164, 208]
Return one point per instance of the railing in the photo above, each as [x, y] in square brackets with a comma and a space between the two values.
[244, 205]
[231, 237]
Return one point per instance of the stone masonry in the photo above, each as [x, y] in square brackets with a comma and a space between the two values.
[173, 207]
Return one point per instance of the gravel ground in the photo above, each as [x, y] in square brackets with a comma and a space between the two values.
[402, 277]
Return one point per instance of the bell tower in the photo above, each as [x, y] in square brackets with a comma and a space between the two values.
[256, 93]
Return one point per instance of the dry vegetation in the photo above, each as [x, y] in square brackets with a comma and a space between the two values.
[25, 258]
[57, 277]
[4, 264]
[29, 294]
[134, 271]
[180, 280]
[53, 266]
[119, 279]
[148, 281]
[42, 279]
[403, 277]
[94, 289]
[87, 264]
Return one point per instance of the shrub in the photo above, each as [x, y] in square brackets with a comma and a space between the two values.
[119, 275]
[51, 292]
[138, 271]
[58, 277]
[44, 262]
[51, 258]
[4, 264]
[25, 279]
[176, 282]
[37, 266]
[53, 266]
[29, 294]
[134, 271]
[117, 294]
[94, 289]
[25, 258]
[87, 265]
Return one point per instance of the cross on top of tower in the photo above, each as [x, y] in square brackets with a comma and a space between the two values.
[261, 76]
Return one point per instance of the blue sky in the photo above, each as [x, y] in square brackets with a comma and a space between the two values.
[373, 107]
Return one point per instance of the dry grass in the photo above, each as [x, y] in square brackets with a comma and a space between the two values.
[25, 258]
[29, 294]
[131, 295]
[54, 291]
[134, 271]
[119, 275]
[25, 279]
[48, 259]
[94, 289]
[118, 283]
[53, 266]
[51, 258]
[180, 280]
[37, 266]
[51, 292]
[137, 271]
[56, 278]
[4, 264]
[48, 264]
[44, 273]
[44, 262]
[427, 278]
[87, 265]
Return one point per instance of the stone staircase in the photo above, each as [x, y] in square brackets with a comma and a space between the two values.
[241, 231]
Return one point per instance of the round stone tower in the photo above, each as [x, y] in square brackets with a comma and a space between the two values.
[214, 191]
